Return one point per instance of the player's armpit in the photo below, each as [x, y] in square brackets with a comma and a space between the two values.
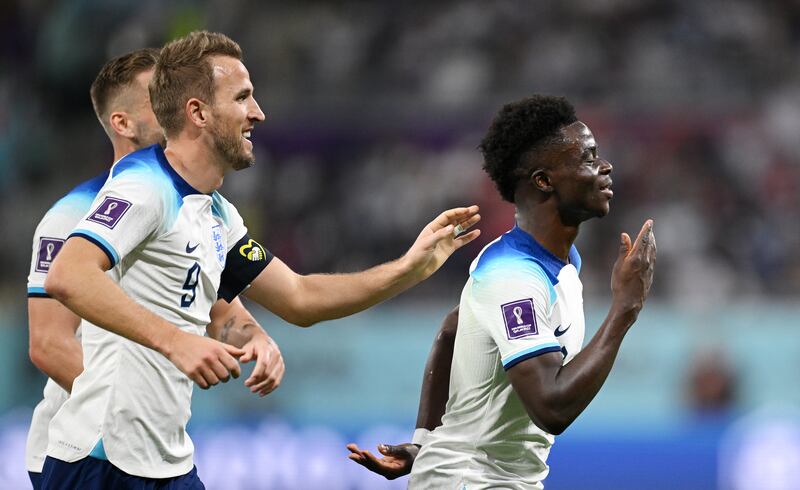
[535, 380]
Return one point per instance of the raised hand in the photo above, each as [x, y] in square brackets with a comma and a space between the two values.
[633, 272]
[269, 369]
[205, 361]
[396, 462]
[440, 238]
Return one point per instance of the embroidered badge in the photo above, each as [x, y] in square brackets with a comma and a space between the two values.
[519, 319]
[110, 211]
[48, 249]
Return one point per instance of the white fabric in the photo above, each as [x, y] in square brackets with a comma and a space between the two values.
[487, 440]
[51, 232]
[170, 244]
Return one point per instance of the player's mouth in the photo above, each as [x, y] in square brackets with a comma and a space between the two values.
[605, 189]
[246, 136]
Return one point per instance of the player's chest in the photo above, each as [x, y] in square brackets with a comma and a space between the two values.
[568, 318]
[192, 251]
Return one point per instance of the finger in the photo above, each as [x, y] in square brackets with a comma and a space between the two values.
[353, 447]
[222, 372]
[249, 354]
[230, 364]
[389, 450]
[209, 377]
[234, 351]
[452, 217]
[624, 244]
[266, 384]
[466, 225]
[644, 236]
[200, 380]
[466, 238]
[258, 372]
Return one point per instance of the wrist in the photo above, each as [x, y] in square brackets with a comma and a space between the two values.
[623, 315]
[165, 345]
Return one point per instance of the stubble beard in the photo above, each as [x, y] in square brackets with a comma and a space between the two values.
[231, 149]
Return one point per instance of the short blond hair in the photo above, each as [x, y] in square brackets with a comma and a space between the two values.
[183, 72]
[117, 75]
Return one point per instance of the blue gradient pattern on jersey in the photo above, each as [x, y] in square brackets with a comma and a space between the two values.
[81, 196]
[151, 164]
[219, 207]
[516, 251]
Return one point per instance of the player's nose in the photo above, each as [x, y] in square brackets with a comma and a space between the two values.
[605, 167]
[256, 114]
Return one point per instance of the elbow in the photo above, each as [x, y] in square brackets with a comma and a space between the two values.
[554, 425]
[56, 285]
[38, 351]
[552, 421]
[302, 322]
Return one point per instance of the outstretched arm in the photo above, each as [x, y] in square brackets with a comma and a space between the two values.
[305, 300]
[54, 349]
[398, 459]
[555, 394]
[233, 324]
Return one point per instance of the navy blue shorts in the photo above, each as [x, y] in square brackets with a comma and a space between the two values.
[97, 474]
[36, 480]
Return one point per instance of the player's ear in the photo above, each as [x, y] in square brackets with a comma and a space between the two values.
[197, 111]
[541, 180]
[121, 124]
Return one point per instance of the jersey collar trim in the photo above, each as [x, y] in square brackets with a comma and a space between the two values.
[552, 265]
[183, 187]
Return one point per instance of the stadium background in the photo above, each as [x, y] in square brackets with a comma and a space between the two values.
[374, 110]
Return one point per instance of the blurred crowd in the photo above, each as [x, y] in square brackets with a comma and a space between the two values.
[374, 111]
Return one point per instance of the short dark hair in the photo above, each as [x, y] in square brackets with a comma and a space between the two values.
[116, 75]
[517, 129]
[183, 72]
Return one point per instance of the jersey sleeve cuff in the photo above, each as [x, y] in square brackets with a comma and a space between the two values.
[420, 436]
[101, 242]
[534, 351]
[37, 292]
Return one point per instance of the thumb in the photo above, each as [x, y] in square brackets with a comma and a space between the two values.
[234, 351]
[388, 450]
[624, 244]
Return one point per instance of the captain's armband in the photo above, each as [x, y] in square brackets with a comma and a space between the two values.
[244, 262]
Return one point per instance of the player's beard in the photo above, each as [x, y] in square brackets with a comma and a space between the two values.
[230, 147]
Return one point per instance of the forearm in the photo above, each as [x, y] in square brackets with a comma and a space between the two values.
[60, 358]
[578, 382]
[339, 295]
[91, 294]
[233, 324]
[436, 380]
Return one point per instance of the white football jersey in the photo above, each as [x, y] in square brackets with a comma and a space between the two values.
[50, 235]
[167, 244]
[520, 301]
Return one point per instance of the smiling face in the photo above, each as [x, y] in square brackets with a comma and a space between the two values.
[234, 112]
[578, 178]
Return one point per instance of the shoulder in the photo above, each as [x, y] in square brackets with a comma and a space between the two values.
[68, 210]
[501, 260]
[223, 209]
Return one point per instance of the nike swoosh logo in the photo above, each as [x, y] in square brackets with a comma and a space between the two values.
[559, 332]
[190, 249]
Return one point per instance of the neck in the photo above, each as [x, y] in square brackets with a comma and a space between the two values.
[195, 162]
[541, 220]
[123, 147]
